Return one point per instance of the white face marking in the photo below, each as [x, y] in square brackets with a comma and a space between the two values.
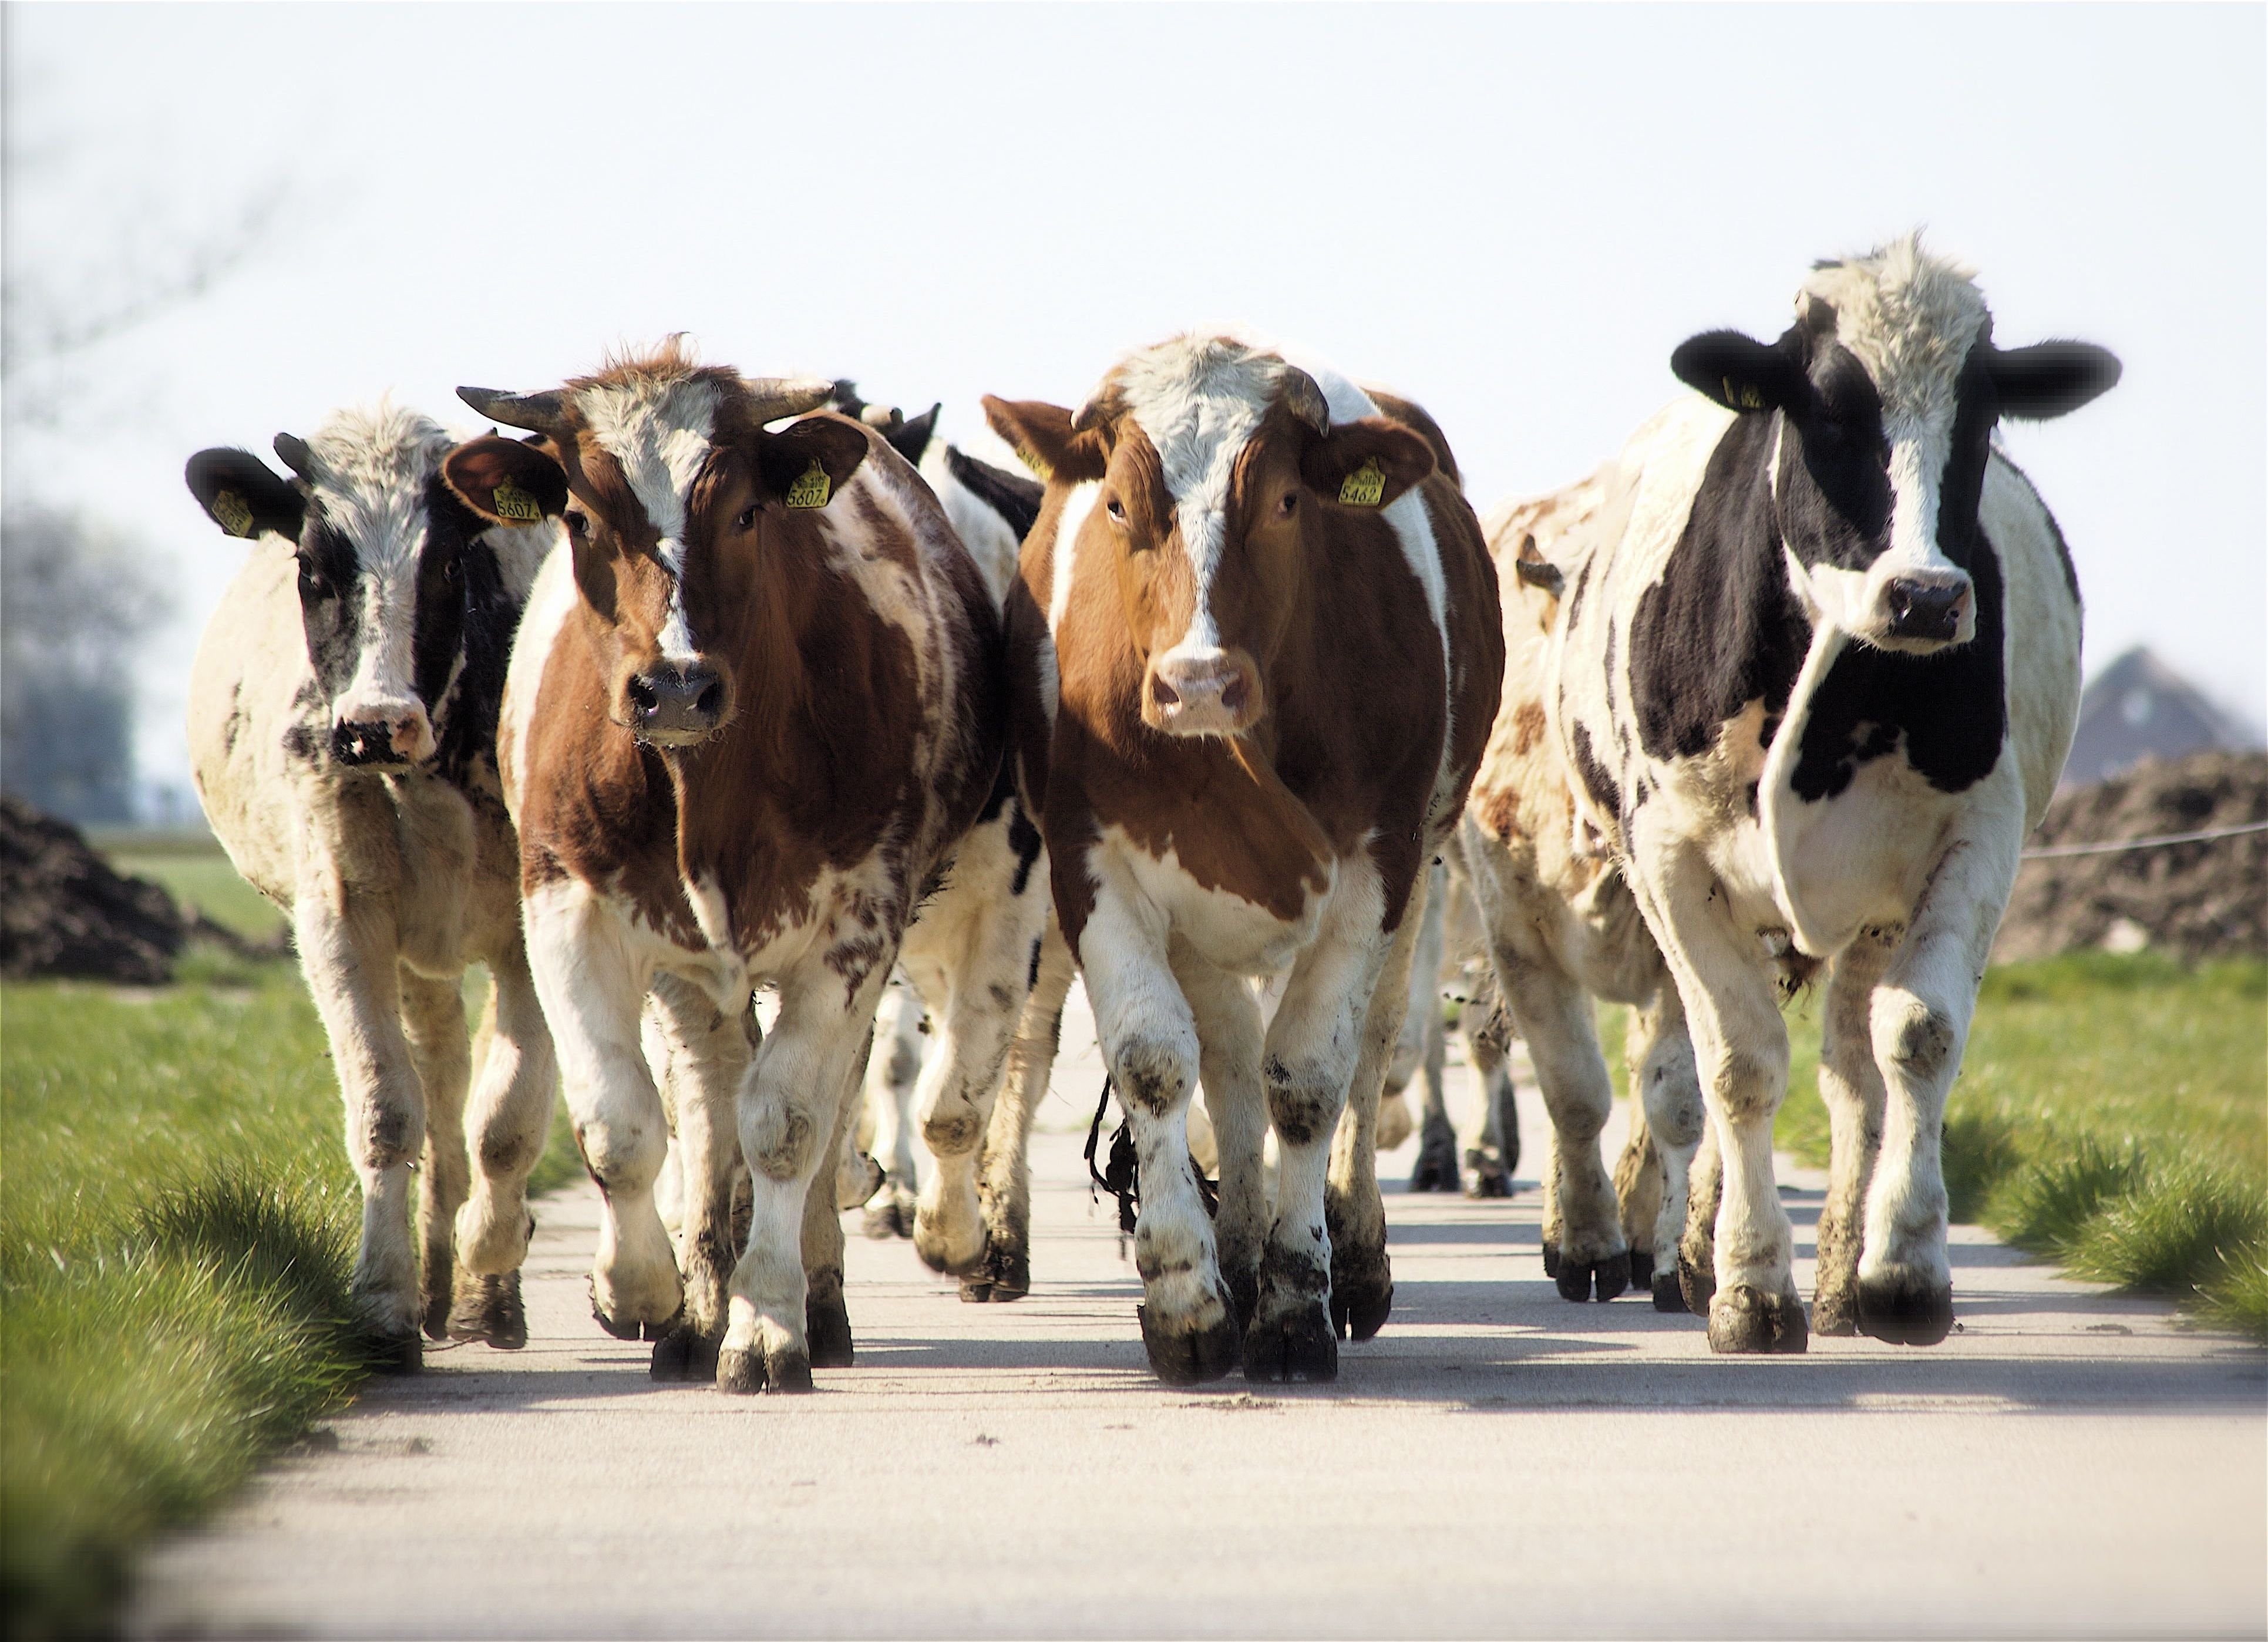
[660, 433]
[370, 469]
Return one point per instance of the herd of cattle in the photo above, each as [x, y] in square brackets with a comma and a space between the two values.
[714, 685]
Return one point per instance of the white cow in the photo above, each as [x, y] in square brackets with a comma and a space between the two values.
[343, 712]
[1816, 676]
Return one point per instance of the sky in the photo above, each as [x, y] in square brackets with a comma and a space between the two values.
[1510, 213]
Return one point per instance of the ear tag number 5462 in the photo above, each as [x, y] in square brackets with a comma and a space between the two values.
[1364, 487]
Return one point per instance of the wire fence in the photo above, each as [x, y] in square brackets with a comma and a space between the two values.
[2059, 852]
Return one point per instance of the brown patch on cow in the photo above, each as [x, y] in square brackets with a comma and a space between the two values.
[1527, 727]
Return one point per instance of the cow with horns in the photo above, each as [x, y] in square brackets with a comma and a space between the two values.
[1816, 674]
[1253, 653]
[754, 711]
[343, 716]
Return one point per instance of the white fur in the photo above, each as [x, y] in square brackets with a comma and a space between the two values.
[660, 430]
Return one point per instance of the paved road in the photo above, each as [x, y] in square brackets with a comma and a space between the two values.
[1497, 1462]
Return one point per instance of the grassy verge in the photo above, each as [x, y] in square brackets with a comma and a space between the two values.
[177, 1227]
[2112, 1114]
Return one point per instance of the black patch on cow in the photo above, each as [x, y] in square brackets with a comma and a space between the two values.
[1597, 780]
[486, 616]
[1582, 585]
[1011, 495]
[1721, 628]
[1004, 789]
[910, 438]
[1024, 839]
[330, 612]
[1947, 711]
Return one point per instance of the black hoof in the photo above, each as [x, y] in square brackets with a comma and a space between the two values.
[1360, 1316]
[1008, 1272]
[1551, 1261]
[1297, 1347]
[1834, 1313]
[1436, 1171]
[1641, 1268]
[746, 1374]
[827, 1326]
[1667, 1296]
[975, 1291]
[1489, 1181]
[1697, 1283]
[1903, 1312]
[890, 1216]
[489, 1308]
[1747, 1321]
[393, 1353]
[684, 1353]
[1243, 1296]
[1577, 1279]
[437, 1318]
[1190, 1359]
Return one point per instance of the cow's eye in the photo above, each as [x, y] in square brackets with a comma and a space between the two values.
[1288, 506]
[578, 522]
[747, 518]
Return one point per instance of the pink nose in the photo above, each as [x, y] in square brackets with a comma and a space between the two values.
[400, 735]
[1206, 696]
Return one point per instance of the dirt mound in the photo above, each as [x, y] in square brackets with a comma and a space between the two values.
[2204, 900]
[63, 912]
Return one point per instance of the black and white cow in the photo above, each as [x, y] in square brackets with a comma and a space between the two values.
[343, 715]
[1816, 677]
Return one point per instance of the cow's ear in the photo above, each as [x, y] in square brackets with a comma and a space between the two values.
[808, 461]
[2052, 378]
[506, 481]
[910, 438]
[244, 495]
[1738, 371]
[1365, 464]
[1041, 434]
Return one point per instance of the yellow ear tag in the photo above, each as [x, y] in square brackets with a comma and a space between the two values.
[813, 489]
[1038, 468]
[1364, 487]
[235, 517]
[1742, 396]
[514, 505]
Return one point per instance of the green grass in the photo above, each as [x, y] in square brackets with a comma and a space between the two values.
[2112, 1114]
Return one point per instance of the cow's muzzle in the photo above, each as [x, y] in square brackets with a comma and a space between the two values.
[1928, 612]
[382, 732]
[675, 706]
[1217, 693]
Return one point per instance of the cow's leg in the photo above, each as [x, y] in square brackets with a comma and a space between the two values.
[1850, 1088]
[1583, 1245]
[790, 1107]
[1490, 1136]
[505, 1125]
[893, 1072]
[1739, 1046]
[1230, 1038]
[970, 955]
[1436, 1169]
[703, 1050]
[434, 1020]
[1696, 1244]
[347, 951]
[1665, 1109]
[1920, 1019]
[826, 1317]
[1150, 1045]
[1006, 1186]
[1351, 989]
[584, 958]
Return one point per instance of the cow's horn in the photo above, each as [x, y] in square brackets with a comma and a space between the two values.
[1304, 400]
[296, 456]
[771, 398]
[539, 413]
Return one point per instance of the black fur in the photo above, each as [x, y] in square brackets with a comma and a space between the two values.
[1011, 495]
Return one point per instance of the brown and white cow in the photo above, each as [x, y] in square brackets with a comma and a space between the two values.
[342, 711]
[1254, 653]
[754, 707]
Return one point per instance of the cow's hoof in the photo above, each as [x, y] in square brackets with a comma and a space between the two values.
[975, 1291]
[1745, 1321]
[489, 1308]
[1697, 1283]
[742, 1373]
[1298, 1346]
[888, 1216]
[1577, 1278]
[827, 1326]
[1835, 1311]
[1641, 1268]
[1359, 1308]
[1489, 1181]
[1243, 1296]
[1007, 1276]
[1667, 1295]
[1552, 1260]
[1190, 1359]
[1436, 1170]
[389, 1354]
[438, 1321]
[1902, 1311]
[684, 1353]
[937, 1254]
